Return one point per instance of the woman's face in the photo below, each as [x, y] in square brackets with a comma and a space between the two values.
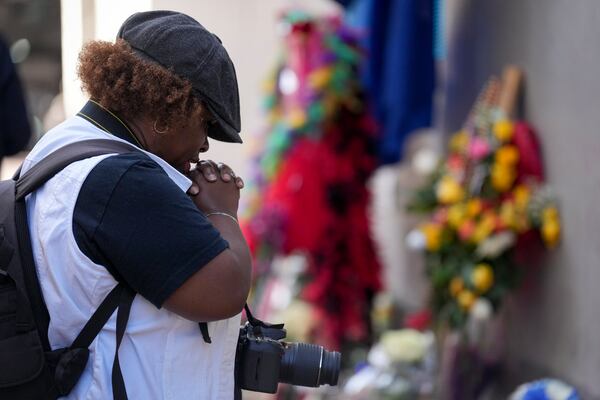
[181, 145]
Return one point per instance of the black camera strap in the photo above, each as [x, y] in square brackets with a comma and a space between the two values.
[255, 322]
[204, 330]
[261, 328]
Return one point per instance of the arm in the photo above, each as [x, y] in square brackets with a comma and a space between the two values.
[220, 289]
[132, 218]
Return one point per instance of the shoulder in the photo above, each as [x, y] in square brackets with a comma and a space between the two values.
[123, 168]
[133, 219]
[131, 185]
[136, 161]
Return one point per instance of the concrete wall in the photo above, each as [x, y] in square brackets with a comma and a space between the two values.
[553, 329]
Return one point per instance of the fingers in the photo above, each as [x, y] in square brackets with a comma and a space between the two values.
[208, 169]
[211, 171]
[227, 173]
[239, 182]
[194, 188]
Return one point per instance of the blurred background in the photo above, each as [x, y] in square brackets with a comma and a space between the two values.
[422, 191]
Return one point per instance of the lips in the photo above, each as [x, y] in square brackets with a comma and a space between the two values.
[187, 167]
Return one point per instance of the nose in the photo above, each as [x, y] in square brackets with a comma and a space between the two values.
[205, 146]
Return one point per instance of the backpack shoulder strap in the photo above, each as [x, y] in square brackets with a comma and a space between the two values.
[32, 180]
[120, 297]
[59, 159]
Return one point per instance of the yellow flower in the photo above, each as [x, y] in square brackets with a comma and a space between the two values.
[550, 214]
[484, 228]
[551, 232]
[507, 155]
[474, 207]
[433, 236]
[268, 85]
[296, 118]
[502, 177]
[456, 215]
[319, 78]
[466, 298]
[504, 130]
[449, 191]
[521, 195]
[483, 277]
[459, 141]
[274, 116]
[456, 286]
[508, 214]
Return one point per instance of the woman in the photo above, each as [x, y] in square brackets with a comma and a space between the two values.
[146, 218]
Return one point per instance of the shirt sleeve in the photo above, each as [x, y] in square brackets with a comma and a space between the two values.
[133, 219]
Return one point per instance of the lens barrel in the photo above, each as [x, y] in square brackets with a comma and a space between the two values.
[311, 365]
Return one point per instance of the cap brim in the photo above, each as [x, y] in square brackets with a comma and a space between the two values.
[221, 130]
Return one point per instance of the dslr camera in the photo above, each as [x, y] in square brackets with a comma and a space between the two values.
[263, 359]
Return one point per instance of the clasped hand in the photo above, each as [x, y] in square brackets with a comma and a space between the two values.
[215, 187]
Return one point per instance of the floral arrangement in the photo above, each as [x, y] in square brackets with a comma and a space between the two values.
[486, 208]
[314, 79]
[308, 193]
[400, 366]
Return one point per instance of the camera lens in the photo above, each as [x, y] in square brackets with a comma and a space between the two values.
[309, 365]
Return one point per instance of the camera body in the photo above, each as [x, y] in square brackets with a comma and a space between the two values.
[259, 358]
[263, 360]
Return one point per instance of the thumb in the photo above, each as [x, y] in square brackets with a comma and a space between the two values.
[194, 189]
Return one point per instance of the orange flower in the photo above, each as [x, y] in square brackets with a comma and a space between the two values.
[456, 286]
[466, 230]
[502, 177]
[507, 155]
[474, 207]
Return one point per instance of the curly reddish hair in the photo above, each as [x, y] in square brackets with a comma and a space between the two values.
[113, 75]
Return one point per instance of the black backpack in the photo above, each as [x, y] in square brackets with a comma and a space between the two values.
[29, 369]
